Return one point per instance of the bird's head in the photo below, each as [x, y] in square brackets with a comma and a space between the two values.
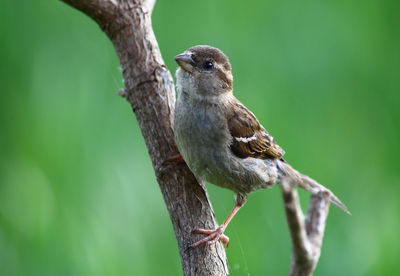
[204, 70]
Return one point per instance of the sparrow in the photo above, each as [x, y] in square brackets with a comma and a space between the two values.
[221, 140]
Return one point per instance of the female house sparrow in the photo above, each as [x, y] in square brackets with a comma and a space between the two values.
[221, 141]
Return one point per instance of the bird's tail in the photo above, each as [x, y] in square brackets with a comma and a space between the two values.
[307, 183]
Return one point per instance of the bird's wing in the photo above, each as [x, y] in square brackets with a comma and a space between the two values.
[249, 138]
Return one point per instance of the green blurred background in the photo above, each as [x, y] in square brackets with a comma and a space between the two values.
[77, 192]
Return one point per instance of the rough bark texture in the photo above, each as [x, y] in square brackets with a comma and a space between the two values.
[150, 91]
[306, 234]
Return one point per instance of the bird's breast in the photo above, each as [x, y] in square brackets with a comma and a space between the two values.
[201, 133]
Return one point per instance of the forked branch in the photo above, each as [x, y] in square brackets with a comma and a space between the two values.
[306, 234]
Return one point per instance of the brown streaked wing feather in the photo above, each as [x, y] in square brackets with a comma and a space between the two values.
[254, 140]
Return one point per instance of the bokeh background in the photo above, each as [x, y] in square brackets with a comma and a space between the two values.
[77, 191]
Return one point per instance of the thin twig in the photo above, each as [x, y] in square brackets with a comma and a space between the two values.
[306, 235]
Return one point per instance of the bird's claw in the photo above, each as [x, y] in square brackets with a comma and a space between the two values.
[171, 162]
[175, 159]
[212, 236]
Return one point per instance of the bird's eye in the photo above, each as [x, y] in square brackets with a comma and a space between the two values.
[208, 65]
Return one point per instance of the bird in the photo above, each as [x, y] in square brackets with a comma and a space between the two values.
[221, 140]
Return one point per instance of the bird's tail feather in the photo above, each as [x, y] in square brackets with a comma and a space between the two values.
[308, 184]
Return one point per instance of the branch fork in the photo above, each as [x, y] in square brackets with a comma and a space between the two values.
[306, 233]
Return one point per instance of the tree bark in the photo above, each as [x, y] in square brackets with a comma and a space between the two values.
[306, 234]
[150, 91]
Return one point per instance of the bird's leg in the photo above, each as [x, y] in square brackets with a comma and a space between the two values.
[218, 234]
[175, 159]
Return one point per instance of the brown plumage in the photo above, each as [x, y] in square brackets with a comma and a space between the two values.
[250, 139]
[202, 53]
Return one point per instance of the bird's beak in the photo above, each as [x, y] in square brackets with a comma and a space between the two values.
[185, 61]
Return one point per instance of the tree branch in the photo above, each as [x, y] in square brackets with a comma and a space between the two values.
[150, 91]
[306, 235]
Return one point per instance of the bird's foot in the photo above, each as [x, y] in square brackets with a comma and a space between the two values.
[177, 159]
[171, 162]
[212, 236]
